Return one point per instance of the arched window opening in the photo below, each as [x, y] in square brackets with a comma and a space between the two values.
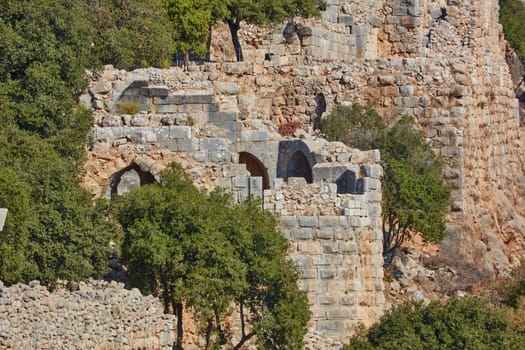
[255, 167]
[128, 178]
[298, 167]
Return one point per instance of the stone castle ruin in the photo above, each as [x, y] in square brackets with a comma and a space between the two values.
[441, 61]
[328, 197]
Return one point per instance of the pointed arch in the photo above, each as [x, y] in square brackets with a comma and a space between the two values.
[255, 167]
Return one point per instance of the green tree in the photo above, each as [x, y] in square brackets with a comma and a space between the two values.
[44, 51]
[265, 12]
[132, 33]
[191, 21]
[202, 252]
[511, 17]
[415, 196]
[468, 323]
[53, 229]
[355, 125]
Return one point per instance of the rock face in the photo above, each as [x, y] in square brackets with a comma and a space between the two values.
[442, 62]
[96, 315]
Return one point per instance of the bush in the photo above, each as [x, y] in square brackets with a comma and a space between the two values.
[468, 323]
[131, 33]
[129, 107]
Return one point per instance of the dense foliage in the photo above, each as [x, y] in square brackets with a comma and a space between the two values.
[131, 33]
[468, 323]
[415, 196]
[202, 252]
[53, 230]
[512, 13]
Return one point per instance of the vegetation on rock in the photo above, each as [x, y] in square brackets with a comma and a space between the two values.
[201, 252]
[512, 13]
[415, 195]
[468, 323]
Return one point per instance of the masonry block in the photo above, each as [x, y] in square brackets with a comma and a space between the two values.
[180, 132]
[327, 274]
[219, 156]
[372, 170]
[224, 116]
[253, 136]
[200, 156]
[212, 144]
[289, 221]
[155, 91]
[198, 97]
[188, 145]
[308, 221]
[241, 181]
[256, 186]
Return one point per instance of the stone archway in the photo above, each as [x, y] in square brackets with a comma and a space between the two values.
[298, 166]
[255, 167]
[128, 178]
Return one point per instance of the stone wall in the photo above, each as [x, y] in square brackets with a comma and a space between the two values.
[202, 120]
[442, 62]
[95, 315]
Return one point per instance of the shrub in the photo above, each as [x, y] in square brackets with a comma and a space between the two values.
[129, 107]
[469, 323]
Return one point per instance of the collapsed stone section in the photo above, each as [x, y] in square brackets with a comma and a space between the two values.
[95, 315]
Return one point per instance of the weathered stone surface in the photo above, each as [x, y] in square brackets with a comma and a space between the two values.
[84, 318]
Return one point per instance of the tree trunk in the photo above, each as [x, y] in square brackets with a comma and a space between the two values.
[186, 60]
[177, 308]
[245, 337]
[234, 30]
[209, 330]
[207, 58]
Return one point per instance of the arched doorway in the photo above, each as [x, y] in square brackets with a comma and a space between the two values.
[255, 167]
[298, 166]
[128, 178]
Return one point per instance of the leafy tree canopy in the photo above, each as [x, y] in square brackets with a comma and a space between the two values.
[468, 323]
[53, 230]
[203, 252]
[131, 33]
[415, 196]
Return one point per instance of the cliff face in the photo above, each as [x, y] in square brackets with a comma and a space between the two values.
[440, 61]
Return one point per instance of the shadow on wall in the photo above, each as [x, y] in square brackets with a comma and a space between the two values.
[295, 160]
[128, 178]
